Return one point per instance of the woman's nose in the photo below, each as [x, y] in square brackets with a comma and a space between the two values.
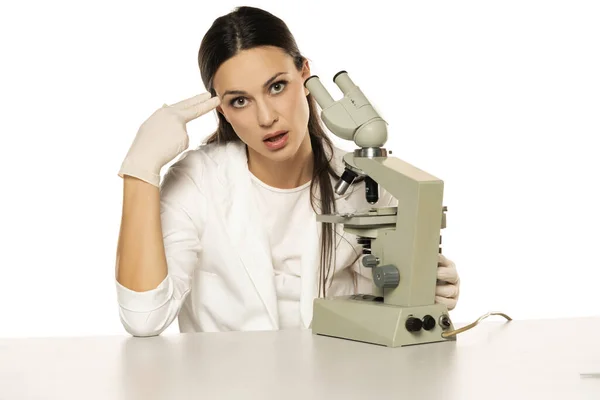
[266, 115]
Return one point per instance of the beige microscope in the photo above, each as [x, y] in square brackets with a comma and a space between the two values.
[401, 244]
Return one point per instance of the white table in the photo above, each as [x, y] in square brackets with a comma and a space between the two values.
[495, 360]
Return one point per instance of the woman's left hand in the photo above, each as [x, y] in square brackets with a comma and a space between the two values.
[447, 291]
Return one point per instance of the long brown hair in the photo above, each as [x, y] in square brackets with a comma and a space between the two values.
[248, 27]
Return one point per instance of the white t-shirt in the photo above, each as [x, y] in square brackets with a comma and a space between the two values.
[286, 214]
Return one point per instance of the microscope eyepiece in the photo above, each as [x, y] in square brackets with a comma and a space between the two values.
[339, 73]
[343, 81]
[309, 78]
[318, 91]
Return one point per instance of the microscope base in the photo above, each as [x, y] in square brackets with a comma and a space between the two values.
[362, 318]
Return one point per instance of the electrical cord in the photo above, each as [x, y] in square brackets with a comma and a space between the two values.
[471, 325]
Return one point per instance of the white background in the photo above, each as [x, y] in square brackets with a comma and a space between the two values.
[501, 100]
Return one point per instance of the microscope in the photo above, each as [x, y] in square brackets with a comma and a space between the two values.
[400, 244]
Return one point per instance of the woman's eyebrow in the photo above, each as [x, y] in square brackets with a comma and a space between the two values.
[241, 92]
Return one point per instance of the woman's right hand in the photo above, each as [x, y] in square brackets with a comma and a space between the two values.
[163, 136]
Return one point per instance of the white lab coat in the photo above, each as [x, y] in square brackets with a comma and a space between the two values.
[220, 272]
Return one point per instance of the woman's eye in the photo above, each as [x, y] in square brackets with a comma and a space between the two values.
[278, 87]
[239, 102]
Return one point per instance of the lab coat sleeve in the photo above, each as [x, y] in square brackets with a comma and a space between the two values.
[182, 212]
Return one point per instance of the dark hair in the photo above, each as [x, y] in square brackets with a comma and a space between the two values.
[248, 27]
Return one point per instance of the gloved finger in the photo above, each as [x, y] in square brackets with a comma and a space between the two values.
[448, 291]
[199, 98]
[445, 261]
[447, 274]
[199, 109]
[449, 303]
[442, 260]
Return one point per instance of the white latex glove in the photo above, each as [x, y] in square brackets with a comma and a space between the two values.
[448, 287]
[163, 136]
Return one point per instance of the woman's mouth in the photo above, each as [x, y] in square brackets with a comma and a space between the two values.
[276, 142]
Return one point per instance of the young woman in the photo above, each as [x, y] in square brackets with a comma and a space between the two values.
[229, 240]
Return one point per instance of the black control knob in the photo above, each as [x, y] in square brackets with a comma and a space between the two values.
[428, 322]
[413, 324]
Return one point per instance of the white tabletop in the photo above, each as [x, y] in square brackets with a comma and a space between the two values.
[495, 360]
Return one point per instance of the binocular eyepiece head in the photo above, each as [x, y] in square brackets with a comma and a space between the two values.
[320, 93]
[351, 118]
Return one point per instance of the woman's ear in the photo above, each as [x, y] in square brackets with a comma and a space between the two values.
[305, 74]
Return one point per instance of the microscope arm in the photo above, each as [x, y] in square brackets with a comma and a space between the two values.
[413, 245]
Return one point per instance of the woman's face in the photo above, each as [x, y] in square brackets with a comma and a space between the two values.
[262, 94]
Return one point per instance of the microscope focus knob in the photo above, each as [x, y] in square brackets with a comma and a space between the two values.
[413, 324]
[428, 322]
[386, 276]
[370, 261]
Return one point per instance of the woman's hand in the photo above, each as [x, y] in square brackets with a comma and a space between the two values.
[163, 136]
[448, 286]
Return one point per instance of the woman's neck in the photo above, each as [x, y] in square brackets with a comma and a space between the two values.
[288, 174]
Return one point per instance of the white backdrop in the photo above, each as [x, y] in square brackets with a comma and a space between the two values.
[499, 99]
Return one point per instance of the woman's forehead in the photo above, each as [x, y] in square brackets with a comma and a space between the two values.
[250, 69]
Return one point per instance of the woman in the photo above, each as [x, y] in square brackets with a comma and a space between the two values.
[229, 240]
